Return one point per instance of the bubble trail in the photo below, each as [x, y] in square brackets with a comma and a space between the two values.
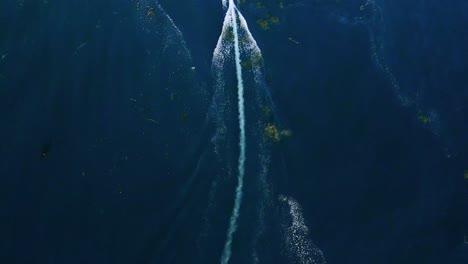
[231, 19]
[296, 233]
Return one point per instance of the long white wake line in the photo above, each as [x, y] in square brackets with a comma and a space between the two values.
[178, 32]
[242, 145]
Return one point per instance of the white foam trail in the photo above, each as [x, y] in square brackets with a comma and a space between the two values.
[179, 35]
[229, 44]
[242, 145]
[375, 27]
[296, 235]
[264, 203]
[172, 36]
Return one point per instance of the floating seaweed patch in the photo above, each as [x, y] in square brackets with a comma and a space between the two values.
[286, 133]
[255, 60]
[150, 12]
[266, 22]
[275, 135]
[425, 119]
[183, 117]
[228, 35]
[272, 133]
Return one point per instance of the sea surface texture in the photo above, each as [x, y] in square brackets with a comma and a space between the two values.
[233, 131]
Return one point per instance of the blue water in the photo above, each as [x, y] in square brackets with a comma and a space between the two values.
[120, 145]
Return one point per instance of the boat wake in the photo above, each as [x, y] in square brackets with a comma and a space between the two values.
[372, 18]
[296, 233]
[250, 132]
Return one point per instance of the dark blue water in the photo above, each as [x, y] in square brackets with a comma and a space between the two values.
[108, 150]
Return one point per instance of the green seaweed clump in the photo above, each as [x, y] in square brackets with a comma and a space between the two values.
[465, 175]
[267, 22]
[184, 117]
[150, 12]
[286, 133]
[263, 24]
[272, 133]
[424, 118]
[228, 35]
[254, 61]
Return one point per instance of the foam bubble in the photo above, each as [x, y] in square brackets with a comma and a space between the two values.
[373, 20]
[296, 235]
